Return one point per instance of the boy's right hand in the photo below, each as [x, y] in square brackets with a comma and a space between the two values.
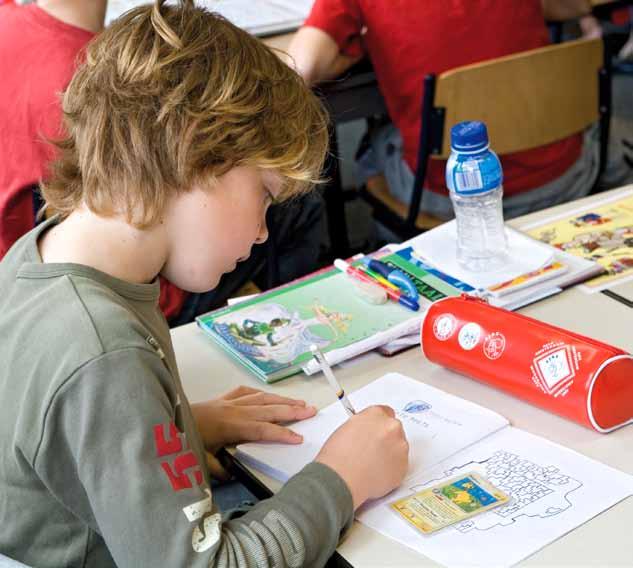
[370, 452]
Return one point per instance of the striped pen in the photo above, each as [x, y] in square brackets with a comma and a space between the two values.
[327, 371]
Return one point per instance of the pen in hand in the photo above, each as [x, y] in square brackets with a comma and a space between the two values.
[327, 371]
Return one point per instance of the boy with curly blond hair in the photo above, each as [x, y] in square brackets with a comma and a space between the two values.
[181, 130]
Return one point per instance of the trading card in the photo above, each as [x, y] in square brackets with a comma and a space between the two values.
[449, 502]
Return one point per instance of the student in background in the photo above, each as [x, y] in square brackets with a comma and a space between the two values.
[40, 44]
[406, 40]
[182, 129]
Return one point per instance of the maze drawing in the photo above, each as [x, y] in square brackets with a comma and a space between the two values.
[536, 490]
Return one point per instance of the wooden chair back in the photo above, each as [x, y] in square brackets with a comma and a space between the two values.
[528, 99]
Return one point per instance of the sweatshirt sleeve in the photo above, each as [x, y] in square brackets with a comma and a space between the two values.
[112, 453]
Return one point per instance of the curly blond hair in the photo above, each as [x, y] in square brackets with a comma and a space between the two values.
[170, 96]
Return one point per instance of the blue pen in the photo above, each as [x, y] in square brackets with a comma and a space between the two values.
[393, 275]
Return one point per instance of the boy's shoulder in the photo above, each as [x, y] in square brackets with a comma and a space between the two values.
[71, 311]
[115, 317]
[71, 329]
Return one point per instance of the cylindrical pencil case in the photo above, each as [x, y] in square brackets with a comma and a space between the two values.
[574, 376]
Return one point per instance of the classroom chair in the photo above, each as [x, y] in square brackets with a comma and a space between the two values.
[545, 94]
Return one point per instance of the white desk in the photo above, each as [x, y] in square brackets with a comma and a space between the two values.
[605, 541]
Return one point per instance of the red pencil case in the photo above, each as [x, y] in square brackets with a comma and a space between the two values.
[568, 374]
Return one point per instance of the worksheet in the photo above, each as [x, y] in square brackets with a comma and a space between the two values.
[553, 490]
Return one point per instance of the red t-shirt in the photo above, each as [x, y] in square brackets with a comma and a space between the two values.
[38, 56]
[407, 39]
[37, 60]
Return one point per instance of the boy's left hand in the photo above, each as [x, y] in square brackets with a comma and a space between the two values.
[248, 415]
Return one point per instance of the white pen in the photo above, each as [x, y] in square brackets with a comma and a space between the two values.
[327, 371]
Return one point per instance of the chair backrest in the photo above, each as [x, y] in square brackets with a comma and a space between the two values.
[528, 99]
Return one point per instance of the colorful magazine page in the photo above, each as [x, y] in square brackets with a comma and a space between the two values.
[561, 271]
[602, 232]
[439, 248]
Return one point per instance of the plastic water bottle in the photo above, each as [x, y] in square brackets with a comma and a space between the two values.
[474, 178]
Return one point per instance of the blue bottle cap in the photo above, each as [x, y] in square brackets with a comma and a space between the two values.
[471, 136]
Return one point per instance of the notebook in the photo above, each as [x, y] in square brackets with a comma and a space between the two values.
[437, 425]
[553, 489]
[271, 334]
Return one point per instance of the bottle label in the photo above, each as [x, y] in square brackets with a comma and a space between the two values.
[469, 175]
[469, 178]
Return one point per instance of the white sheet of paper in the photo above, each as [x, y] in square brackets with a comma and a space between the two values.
[437, 425]
[438, 246]
[553, 489]
[270, 16]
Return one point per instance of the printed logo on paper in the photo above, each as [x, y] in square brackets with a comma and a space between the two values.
[494, 345]
[444, 326]
[417, 406]
[554, 367]
[469, 336]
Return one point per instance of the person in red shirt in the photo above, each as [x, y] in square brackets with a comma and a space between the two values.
[407, 39]
[39, 45]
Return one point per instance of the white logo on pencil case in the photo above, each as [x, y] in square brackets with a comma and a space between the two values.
[444, 326]
[554, 368]
[469, 336]
[494, 345]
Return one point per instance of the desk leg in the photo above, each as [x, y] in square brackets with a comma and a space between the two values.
[335, 201]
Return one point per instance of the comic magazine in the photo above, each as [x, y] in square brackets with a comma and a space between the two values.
[602, 232]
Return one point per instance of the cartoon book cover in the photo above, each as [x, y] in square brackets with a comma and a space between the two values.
[603, 234]
[272, 333]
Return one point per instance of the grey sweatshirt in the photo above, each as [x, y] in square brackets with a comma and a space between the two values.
[101, 463]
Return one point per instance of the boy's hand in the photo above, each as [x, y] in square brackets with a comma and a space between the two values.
[248, 415]
[370, 452]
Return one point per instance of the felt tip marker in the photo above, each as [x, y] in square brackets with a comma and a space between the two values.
[395, 295]
[377, 277]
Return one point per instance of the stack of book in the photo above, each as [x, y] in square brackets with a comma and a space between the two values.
[533, 271]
